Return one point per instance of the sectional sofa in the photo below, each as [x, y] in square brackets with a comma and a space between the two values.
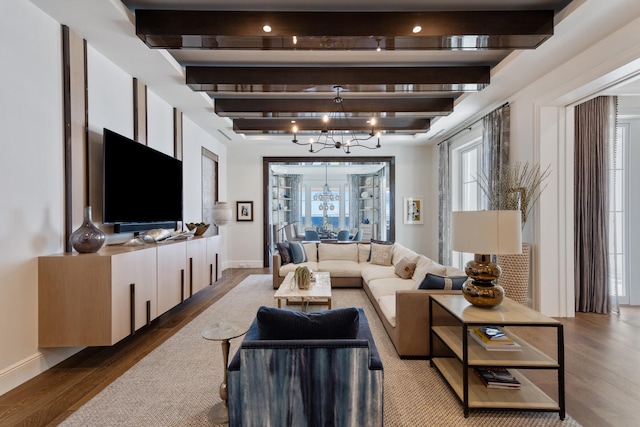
[392, 276]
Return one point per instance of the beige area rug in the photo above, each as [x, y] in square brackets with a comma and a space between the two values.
[176, 384]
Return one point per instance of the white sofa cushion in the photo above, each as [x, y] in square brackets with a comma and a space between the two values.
[424, 266]
[400, 252]
[312, 251]
[388, 306]
[388, 286]
[339, 268]
[372, 271]
[292, 267]
[332, 251]
[363, 252]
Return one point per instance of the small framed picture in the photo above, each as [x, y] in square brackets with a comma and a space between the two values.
[412, 210]
[244, 211]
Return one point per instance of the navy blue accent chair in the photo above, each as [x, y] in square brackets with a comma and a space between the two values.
[306, 382]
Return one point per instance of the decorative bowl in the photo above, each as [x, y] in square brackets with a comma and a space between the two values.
[200, 229]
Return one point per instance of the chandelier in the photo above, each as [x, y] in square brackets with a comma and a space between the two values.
[326, 197]
[331, 137]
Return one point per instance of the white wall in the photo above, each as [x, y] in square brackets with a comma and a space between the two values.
[159, 124]
[32, 172]
[414, 176]
[31, 178]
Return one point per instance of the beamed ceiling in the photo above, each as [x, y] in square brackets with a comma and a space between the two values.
[406, 77]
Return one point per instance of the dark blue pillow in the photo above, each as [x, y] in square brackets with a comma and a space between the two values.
[285, 253]
[433, 281]
[281, 324]
[298, 254]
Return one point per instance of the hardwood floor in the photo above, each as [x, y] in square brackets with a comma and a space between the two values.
[601, 352]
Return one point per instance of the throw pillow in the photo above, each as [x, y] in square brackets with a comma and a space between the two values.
[406, 267]
[281, 324]
[378, 242]
[434, 281]
[381, 254]
[297, 252]
[285, 253]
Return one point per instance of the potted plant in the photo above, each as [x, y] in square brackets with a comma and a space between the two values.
[516, 187]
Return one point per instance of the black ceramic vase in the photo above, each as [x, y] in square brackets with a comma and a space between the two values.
[88, 238]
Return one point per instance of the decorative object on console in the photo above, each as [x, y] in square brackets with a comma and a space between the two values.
[221, 214]
[485, 233]
[244, 211]
[200, 227]
[87, 238]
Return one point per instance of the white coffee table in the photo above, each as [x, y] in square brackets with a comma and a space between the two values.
[319, 291]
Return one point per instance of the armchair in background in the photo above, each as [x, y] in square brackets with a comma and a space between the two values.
[358, 236]
[290, 232]
[343, 236]
[311, 236]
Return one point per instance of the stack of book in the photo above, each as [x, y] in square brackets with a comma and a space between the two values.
[497, 378]
[493, 338]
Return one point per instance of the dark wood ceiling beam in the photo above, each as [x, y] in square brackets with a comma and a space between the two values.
[228, 107]
[358, 124]
[299, 79]
[342, 30]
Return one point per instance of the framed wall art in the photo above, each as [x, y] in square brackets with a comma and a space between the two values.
[244, 211]
[412, 210]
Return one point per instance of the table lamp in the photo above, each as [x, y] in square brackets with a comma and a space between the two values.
[485, 233]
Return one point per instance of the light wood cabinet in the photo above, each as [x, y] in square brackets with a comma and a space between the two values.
[98, 299]
[198, 277]
[95, 299]
[214, 247]
[172, 275]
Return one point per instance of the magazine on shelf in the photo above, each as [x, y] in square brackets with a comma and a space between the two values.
[493, 333]
[497, 378]
[504, 344]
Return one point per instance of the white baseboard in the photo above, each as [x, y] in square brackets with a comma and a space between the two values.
[34, 365]
[243, 264]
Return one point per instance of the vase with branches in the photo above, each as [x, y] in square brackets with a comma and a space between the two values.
[516, 187]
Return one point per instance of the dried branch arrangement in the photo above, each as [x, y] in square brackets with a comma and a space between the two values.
[516, 187]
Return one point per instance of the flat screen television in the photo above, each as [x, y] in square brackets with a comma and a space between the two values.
[141, 185]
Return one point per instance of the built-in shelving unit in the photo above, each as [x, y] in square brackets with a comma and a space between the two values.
[369, 215]
[280, 204]
[462, 353]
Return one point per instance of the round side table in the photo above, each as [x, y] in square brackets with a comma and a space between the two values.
[223, 331]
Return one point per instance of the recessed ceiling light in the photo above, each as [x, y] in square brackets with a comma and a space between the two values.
[266, 28]
[417, 29]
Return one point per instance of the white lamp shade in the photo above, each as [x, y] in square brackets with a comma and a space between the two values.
[221, 213]
[487, 232]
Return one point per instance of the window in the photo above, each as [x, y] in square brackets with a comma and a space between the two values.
[617, 214]
[466, 164]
